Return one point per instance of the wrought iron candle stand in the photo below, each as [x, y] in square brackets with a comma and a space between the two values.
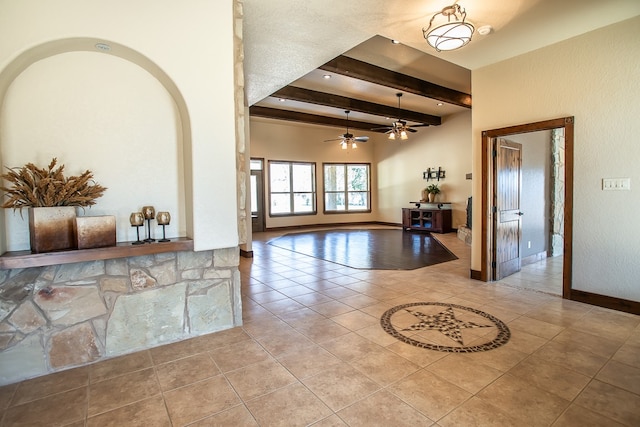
[163, 219]
[149, 213]
[137, 219]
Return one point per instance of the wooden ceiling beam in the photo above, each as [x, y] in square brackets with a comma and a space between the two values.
[337, 101]
[372, 73]
[294, 116]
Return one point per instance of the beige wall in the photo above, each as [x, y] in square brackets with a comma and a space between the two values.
[593, 77]
[93, 109]
[396, 166]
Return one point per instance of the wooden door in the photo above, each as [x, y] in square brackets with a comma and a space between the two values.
[507, 214]
[257, 196]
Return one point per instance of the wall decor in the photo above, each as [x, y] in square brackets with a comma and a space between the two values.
[433, 173]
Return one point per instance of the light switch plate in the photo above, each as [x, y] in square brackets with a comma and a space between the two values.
[616, 184]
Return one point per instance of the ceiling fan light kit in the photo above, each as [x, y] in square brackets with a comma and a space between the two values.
[450, 35]
[347, 139]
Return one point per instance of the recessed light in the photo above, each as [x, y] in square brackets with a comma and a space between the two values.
[281, 99]
[326, 76]
[395, 41]
[103, 47]
[439, 104]
[484, 30]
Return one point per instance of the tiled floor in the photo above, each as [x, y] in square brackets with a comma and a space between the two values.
[312, 352]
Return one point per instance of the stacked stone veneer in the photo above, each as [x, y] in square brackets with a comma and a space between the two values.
[57, 317]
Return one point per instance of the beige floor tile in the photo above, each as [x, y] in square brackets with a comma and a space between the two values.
[313, 298]
[6, 395]
[332, 421]
[572, 357]
[186, 371]
[355, 320]
[429, 394]
[119, 365]
[200, 400]
[282, 306]
[548, 376]
[238, 355]
[350, 346]
[611, 402]
[340, 386]
[279, 342]
[628, 354]
[621, 375]
[40, 387]
[359, 301]
[420, 356]
[384, 366]
[268, 296]
[332, 308]
[322, 330]
[238, 416]
[577, 416]
[259, 379]
[501, 358]
[526, 403]
[593, 343]
[151, 412]
[608, 324]
[293, 405]
[57, 409]
[171, 352]
[123, 390]
[535, 327]
[264, 326]
[476, 412]
[464, 373]
[376, 334]
[524, 342]
[308, 360]
[382, 409]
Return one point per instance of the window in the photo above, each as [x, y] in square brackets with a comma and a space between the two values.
[292, 187]
[346, 187]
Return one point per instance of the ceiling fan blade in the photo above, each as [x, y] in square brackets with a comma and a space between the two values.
[383, 128]
[410, 130]
[331, 140]
[361, 138]
[419, 126]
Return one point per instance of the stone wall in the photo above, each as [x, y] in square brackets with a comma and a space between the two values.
[58, 317]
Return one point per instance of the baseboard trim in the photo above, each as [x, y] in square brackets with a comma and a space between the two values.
[476, 275]
[605, 301]
[332, 224]
[246, 254]
[532, 259]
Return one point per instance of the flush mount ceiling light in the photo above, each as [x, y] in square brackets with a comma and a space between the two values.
[452, 34]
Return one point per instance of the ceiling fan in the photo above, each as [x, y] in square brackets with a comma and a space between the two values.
[399, 128]
[348, 138]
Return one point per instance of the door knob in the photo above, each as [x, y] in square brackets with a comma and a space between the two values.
[520, 213]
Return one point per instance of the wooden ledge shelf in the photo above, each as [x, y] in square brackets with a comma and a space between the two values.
[26, 259]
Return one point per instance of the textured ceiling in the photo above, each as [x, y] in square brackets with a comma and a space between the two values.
[284, 40]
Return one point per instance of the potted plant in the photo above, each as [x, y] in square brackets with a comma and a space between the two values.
[34, 188]
[432, 190]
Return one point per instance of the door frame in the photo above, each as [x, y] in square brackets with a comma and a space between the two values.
[488, 180]
[260, 192]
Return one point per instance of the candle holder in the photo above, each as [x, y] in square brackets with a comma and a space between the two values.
[137, 219]
[149, 213]
[163, 219]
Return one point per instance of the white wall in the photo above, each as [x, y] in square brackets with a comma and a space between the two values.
[124, 129]
[401, 164]
[172, 42]
[593, 77]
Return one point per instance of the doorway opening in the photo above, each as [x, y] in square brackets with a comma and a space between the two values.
[496, 235]
[257, 195]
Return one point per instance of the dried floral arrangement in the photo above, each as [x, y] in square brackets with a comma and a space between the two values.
[42, 187]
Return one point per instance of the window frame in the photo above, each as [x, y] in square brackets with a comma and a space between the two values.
[314, 191]
[346, 188]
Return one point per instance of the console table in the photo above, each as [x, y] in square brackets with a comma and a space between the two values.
[432, 219]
